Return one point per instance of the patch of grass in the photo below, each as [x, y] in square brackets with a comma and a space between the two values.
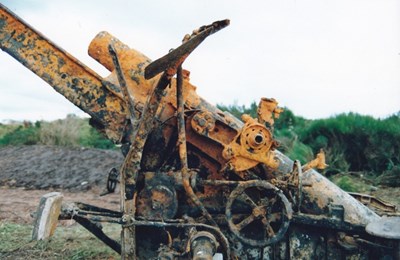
[351, 183]
[72, 242]
[346, 184]
[13, 236]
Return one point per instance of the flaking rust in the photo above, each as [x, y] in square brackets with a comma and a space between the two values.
[196, 182]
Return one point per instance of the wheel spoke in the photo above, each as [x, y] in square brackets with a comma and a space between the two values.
[247, 199]
[269, 230]
[242, 224]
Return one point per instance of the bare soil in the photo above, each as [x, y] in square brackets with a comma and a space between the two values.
[47, 167]
[17, 204]
[29, 172]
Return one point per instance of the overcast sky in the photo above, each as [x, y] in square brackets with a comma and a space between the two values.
[317, 57]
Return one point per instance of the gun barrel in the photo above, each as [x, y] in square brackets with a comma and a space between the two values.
[67, 75]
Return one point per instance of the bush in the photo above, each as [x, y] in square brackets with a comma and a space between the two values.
[360, 142]
[288, 120]
[290, 145]
[63, 132]
[90, 137]
[26, 134]
[71, 131]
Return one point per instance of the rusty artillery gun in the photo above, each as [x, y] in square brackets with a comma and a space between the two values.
[196, 183]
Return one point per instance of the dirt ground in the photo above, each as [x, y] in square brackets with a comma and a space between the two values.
[17, 203]
[54, 167]
[29, 172]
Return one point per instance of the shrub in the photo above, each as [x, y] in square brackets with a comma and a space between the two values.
[290, 145]
[26, 134]
[90, 137]
[361, 142]
[63, 132]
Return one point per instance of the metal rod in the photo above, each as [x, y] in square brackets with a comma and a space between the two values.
[219, 183]
[181, 121]
[183, 150]
[176, 57]
[122, 83]
[95, 230]
[131, 166]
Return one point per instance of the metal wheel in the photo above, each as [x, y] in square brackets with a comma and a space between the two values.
[258, 213]
[112, 180]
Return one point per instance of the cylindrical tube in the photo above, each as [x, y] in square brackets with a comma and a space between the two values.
[203, 246]
[320, 193]
[98, 50]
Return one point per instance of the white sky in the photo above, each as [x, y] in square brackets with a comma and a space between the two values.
[317, 57]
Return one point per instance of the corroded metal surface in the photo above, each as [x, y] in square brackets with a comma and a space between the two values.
[321, 194]
[387, 227]
[317, 163]
[269, 214]
[79, 84]
[253, 145]
[379, 206]
[268, 111]
[196, 181]
[203, 245]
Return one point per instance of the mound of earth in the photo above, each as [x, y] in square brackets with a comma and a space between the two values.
[54, 167]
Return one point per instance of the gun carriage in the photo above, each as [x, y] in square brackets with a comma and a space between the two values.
[196, 182]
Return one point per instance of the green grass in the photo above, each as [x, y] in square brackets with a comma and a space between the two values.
[352, 183]
[72, 242]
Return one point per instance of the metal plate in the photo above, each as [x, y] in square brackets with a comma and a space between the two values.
[385, 227]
